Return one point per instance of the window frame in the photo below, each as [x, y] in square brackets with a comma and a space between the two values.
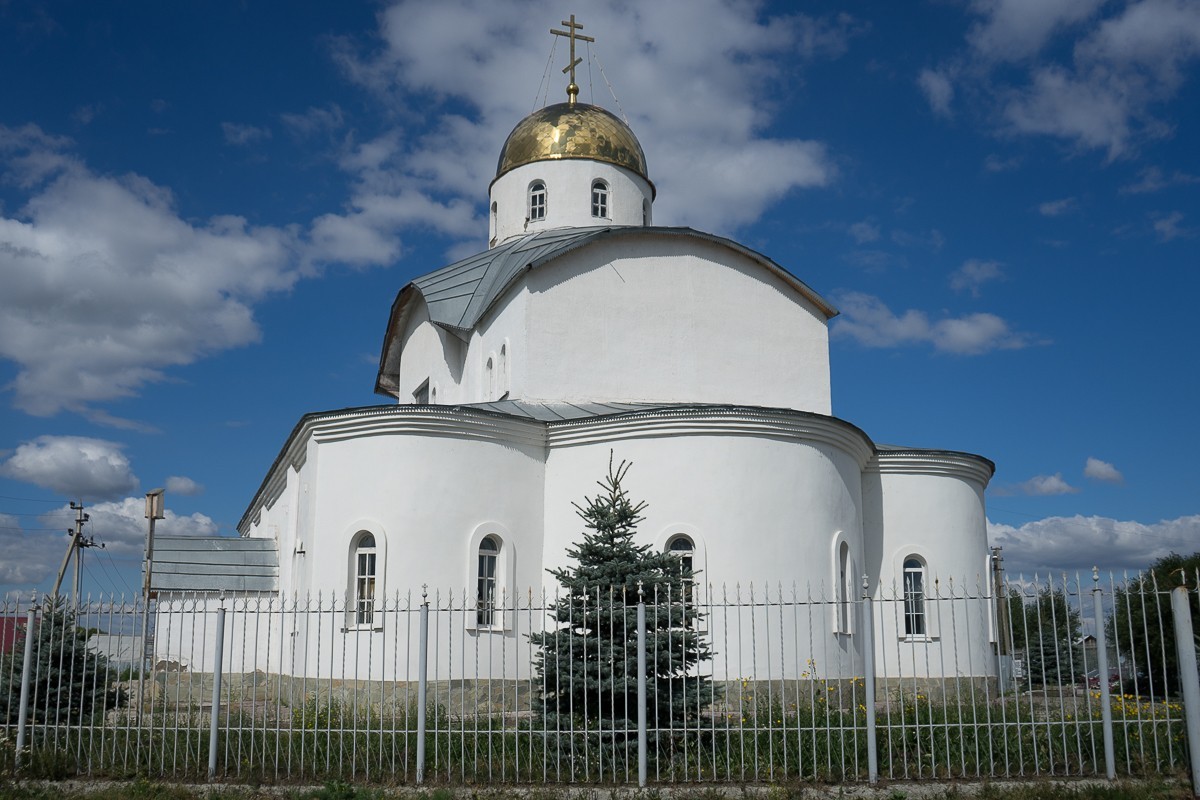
[487, 565]
[504, 608]
[915, 608]
[537, 202]
[601, 200]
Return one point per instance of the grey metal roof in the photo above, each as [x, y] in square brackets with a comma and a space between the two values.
[214, 564]
[460, 294]
[555, 412]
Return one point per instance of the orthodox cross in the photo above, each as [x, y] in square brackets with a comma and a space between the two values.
[570, 33]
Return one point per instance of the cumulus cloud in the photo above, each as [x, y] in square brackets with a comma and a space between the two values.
[1093, 74]
[1102, 471]
[1044, 485]
[75, 466]
[178, 484]
[241, 135]
[1078, 543]
[938, 91]
[868, 321]
[702, 96]
[1056, 208]
[973, 274]
[106, 285]
[30, 556]
[1012, 30]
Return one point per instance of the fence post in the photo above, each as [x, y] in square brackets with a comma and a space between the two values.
[218, 657]
[1110, 759]
[1185, 644]
[422, 681]
[26, 677]
[868, 640]
[641, 687]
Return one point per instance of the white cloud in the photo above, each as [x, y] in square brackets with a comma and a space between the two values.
[938, 91]
[864, 231]
[973, 274]
[314, 121]
[1102, 471]
[1152, 179]
[1012, 30]
[1056, 208]
[242, 135]
[868, 321]
[1168, 228]
[1045, 485]
[1078, 543]
[700, 96]
[1094, 74]
[178, 484]
[106, 285]
[75, 466]
[29, 557]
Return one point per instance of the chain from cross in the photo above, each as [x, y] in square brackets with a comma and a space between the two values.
[570, 33]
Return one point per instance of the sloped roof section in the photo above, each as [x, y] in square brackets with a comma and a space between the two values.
[460, 294]
[214, 564]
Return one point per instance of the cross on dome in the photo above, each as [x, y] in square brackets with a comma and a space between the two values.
[570, 33]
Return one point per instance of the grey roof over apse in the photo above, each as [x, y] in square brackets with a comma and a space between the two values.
[460, 294]
[557, 412]
[214, 564]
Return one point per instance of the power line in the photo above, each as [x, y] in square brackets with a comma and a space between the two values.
[31, 499]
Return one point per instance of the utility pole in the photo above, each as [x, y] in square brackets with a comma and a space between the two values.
[154, 511]
[73, 548]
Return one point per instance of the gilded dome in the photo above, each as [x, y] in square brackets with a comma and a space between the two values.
[564, 130]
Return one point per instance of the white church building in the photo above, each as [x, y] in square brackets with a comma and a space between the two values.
[584, 331]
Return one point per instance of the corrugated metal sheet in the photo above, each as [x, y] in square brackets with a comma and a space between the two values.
[215, 564]
[554, 412]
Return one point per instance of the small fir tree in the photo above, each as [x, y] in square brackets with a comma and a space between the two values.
[70, 681]
[588, 665]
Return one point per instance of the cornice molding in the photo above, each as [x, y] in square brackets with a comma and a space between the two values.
[464, 422]
[950, 463]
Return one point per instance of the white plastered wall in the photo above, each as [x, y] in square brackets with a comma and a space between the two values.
[940, 519]
[568, 197]
[672, 320]
[764, 512]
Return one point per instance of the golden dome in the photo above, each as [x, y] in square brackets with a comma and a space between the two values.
[566, 130]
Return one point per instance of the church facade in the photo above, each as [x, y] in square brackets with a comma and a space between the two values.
[586, 332]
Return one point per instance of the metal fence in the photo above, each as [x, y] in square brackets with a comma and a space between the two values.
[1041, 677]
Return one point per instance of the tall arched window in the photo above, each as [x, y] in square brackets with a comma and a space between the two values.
[844, 588]
[599, 199]
[685, 549]
[489, 379]
[364, 579]
[485, 593]
[914, 597]
[502, 373]
[537, 201]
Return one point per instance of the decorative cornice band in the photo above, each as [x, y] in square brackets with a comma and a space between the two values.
[933, 462]
[715, 421]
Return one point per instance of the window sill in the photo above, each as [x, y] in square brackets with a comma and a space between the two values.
[371, 628]
[919, 639]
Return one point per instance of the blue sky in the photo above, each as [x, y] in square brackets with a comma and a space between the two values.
[206, 210]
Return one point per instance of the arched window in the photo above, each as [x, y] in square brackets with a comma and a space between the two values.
[685, 549]
[489, 379]
[485, 593]
[492, 227]
[502, 372]
[600, 199]
[914, 597]
[537, 201]
[364, 579]
[845, 588]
